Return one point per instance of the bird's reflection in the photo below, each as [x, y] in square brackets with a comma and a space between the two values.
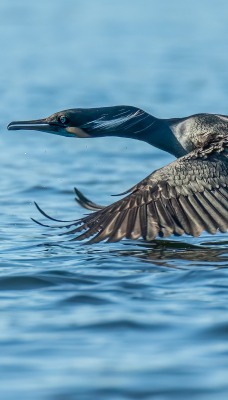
[175, 254]
[180, 255]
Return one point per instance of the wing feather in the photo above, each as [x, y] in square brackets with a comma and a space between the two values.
[189, 195]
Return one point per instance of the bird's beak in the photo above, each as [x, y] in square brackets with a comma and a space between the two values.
[37, 125]
[45, 125]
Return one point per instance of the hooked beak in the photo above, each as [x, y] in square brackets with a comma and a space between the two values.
[37, 125]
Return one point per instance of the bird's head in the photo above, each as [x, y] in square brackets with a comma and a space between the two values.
[64, 123]
[125, 121]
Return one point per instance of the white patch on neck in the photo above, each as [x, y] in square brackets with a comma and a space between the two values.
[102, 123]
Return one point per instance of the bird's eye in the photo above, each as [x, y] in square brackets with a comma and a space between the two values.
[62, 119]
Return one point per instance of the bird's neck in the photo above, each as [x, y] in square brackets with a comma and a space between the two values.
[132, 122]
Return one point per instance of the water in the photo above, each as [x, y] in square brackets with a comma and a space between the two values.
[120, 321]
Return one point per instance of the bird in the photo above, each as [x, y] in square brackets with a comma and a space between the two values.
[187, 196]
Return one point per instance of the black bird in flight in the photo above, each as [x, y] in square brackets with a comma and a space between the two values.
[189, 195]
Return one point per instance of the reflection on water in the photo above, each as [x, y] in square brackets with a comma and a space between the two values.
[173, 254]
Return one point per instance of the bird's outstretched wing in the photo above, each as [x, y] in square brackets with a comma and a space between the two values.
[190, 195]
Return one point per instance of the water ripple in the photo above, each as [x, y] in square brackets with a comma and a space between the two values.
[129, 320]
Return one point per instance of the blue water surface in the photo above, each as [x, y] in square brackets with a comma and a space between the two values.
[130, 320]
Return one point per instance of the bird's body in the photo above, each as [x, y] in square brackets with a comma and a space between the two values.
[190, 195]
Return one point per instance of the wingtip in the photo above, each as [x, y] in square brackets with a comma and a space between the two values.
[48, 216]
[41, 224]
[84, 202]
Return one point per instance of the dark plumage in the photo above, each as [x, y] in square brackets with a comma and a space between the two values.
[190, 195]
